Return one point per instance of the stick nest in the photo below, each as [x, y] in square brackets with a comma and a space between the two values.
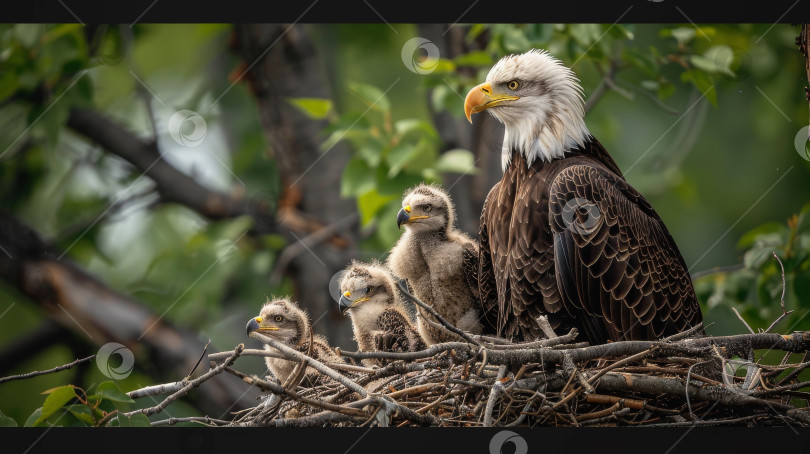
[679, 381]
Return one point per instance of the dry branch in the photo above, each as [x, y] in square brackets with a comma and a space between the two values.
[454, 384]
[49, 371]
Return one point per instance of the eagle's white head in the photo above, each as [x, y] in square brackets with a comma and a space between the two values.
[539, 101]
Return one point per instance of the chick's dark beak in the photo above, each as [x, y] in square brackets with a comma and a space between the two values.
[402, 217]
[344, 304]
[252, 325]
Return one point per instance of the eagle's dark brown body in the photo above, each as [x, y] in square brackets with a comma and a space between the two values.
[571, 239]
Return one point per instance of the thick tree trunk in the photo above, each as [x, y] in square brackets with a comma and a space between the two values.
[85, 306]
[283, 64]
[483, 137]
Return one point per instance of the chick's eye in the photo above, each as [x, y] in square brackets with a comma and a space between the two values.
[278, 318]
[427, 207]
[513, 85]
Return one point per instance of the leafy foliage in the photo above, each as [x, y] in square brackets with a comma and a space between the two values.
[389, 157]
[98, 206]
[755, 289]
[71, 406]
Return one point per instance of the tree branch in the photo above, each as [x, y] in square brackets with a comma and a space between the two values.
[49, 371]
[173, 185]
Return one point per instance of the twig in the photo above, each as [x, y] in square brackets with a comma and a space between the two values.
[199, 419]
[205, 349]
[620, 363]
[270, 354]
[155, 390]
[494, 393]
[751, 330]
[188, 387]
[282, 391]
[49, 371]
[545, 326]
[782, 299]
[293, 354]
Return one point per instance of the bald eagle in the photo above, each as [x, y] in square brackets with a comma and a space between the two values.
[563, 234]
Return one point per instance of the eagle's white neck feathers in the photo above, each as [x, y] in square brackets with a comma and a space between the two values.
[548, 121]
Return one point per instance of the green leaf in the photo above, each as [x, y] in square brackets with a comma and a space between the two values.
[758, 233]
[444, 65]
[457, 161]
[34, 419]
[57, 397]
[701, 62]
[801, 286]
[722, 58]
[357, 178]
[356, 135]
[622, 31]
[387, 230]
[758, 255]
[110, 391]
[403, 128]
[315, 108]
[585, 34]
[399, 157]
[514, 40]
[7, 421]
[371, 95]
[395, 185]
[371, 202]
[682, 34]
[139, 420]
[475, 30]
[82, 413]
[665, 90]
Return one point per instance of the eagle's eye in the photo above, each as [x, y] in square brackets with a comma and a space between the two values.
[278, 318]
[427, 208]
[513, 85]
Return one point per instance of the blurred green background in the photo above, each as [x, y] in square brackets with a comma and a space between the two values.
[703, 121]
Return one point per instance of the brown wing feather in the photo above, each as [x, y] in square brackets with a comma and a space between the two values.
[618, 268]
[516, 253]
[469, 266]
[487, 287]
[398, 335]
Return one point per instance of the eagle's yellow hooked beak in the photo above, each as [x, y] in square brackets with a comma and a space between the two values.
[255, 324]
[481, 98]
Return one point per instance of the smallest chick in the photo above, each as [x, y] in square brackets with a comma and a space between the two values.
[380, 320]
[283, 321]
